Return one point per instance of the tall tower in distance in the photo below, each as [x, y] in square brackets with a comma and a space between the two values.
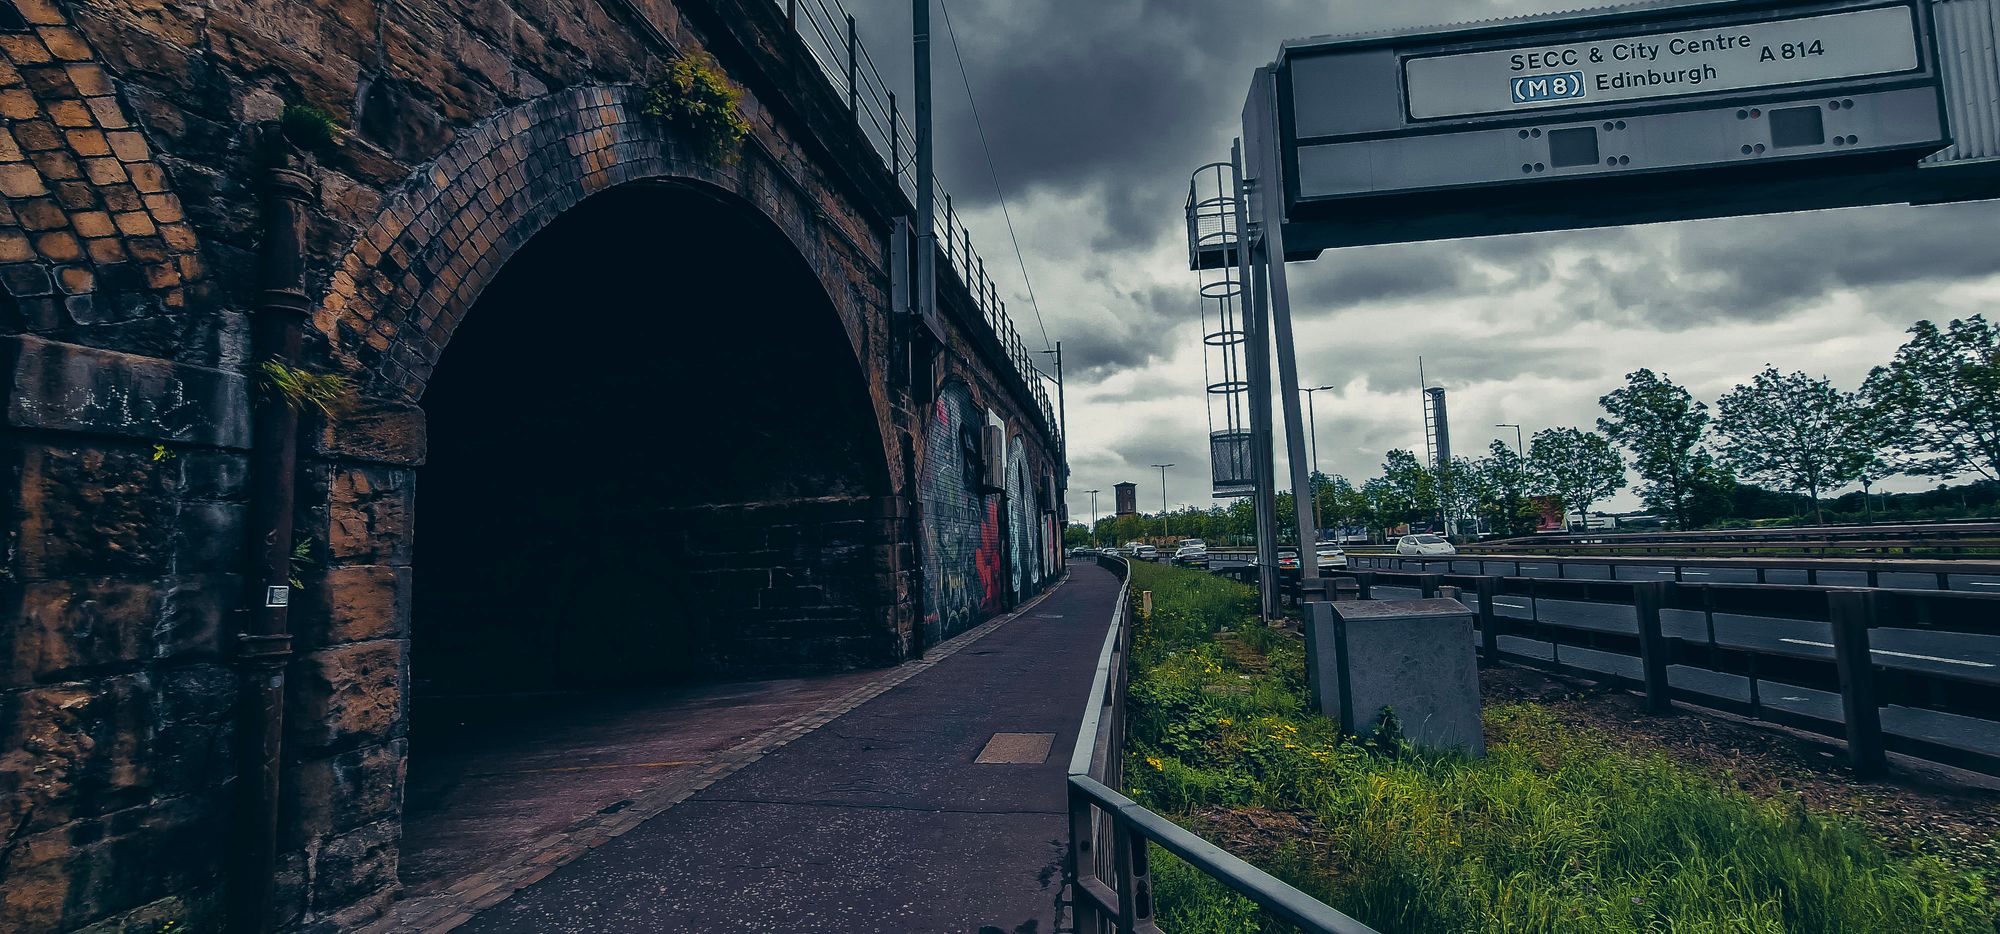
[1127, 495]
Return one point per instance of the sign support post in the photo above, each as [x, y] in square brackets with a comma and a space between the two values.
[1262, 124]
[1257, 364]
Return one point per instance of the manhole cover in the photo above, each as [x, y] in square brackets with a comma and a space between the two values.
[1016, 749]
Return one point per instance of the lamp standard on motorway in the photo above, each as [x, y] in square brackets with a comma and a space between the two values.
[1062, 407]
[1093, 518]
[1312, 428]
[1163, 498]
[1518, 451]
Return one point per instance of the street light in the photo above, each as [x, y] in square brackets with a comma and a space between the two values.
[1062, 410]
[1312, 421]
[1519, 451]
[1163, 498]
[1093, 518]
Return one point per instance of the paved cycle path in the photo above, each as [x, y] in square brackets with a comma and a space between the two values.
[877, 821]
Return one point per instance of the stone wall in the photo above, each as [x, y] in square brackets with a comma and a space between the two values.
[128, 263]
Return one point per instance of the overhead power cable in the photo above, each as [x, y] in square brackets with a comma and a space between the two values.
[994, 174]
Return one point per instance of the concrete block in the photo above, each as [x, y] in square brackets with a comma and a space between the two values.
[1415, 657]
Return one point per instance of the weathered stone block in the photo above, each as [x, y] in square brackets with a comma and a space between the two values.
[336, 794]
[356, 604]
[376, 430]
[347, 695]
[196, 620]
[93, 511]
[356, 864]
[66, 387]
[209, 537]
[1413, 657]
[76, 750]
[369, 514]
[68, 627]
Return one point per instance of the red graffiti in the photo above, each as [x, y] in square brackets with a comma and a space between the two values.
[992, 584]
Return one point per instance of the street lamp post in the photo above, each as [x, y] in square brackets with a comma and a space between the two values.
[1163, 498]
[1312, 423]
[1062, 408]
[1093, 519]
[1520, 450]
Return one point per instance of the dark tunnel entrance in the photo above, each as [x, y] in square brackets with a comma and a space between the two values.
[653, 464]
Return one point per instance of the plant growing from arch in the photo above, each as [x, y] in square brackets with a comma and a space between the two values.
[695, 98]
[1576, 466]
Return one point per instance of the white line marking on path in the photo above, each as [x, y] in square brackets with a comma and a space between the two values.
[1921, 658]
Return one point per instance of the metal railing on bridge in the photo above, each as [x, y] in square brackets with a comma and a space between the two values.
[1107, 869]
[1940, 539]
[1736, 676]
[1958, 574]
[829, 34]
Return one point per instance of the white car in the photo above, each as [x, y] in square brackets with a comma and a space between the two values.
[1424, 545]
[1331, 556]
[1145, 553]
[1132, 548]
[1191, 553]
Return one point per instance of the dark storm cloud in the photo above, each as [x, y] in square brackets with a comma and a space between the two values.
[1141, 326]
[1453, 358]
[1128, 95]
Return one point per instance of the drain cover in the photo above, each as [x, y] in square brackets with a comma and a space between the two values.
[1016, 749]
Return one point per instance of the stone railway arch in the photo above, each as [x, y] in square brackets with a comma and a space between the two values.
[527, 399]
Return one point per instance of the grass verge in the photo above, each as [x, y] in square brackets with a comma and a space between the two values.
[1555, 830]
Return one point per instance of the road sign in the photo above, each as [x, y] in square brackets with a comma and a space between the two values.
[1644, 113]
[1757, 55]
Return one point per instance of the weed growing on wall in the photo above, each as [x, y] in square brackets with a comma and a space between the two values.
[1556, 830]
[310, 128]
[698, 101]
[302, 390]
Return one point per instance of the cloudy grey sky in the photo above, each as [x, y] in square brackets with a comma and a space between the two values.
[1097, 111]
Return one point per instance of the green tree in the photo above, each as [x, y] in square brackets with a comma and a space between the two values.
[1457, 487]
[1942, 395]
[1663, 427]
[1342, 505]
[1794, 432]
[1386, 506]
[1500, 483]
[1076, 535]
[1710, 492]
[1576, 466]
[1414, 488]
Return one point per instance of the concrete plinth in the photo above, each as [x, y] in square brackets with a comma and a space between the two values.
[1414, 657]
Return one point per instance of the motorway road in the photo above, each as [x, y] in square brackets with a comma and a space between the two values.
[1747, 574]
[1969, 657]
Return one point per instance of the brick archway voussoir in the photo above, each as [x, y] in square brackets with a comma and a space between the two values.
[404, 285]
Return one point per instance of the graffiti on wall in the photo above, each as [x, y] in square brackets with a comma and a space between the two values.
[963, 581]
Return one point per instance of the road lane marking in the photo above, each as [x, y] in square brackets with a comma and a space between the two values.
[1697, 573]
[1921, 658]
[1518, 606]
[1984, 583]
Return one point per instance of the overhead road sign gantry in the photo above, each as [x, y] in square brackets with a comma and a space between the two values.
[1635, 114]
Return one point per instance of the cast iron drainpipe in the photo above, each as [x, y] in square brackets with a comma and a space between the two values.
[264, 642]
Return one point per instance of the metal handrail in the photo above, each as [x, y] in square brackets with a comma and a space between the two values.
[1098, 813]
[1942, 571]
[827, 32]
